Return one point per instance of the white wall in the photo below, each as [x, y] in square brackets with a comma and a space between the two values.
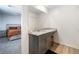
[24, 32]
[9, 19]
[1, 21]
[66, 20]
[32, 21]
[45, 21]
[29, 21]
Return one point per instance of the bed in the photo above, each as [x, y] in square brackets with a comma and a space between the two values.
[13, 31]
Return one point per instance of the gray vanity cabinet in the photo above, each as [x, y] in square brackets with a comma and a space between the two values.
[39, 44]
[33, 44]
[42, 44]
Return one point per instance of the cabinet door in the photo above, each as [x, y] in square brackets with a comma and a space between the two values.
[42, 44]
[33, 44]
[50, 40]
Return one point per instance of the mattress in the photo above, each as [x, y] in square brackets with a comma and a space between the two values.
[15, 37]
[13, 32]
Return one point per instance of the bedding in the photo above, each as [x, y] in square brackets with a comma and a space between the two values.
[15, 37]
[13, 32]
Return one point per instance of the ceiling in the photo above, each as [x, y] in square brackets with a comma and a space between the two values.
[16, 9]
[50, 7]
[40, 11]
[9, 9]
[33, 8]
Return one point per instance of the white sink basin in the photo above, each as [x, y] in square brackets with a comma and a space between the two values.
[42, 31]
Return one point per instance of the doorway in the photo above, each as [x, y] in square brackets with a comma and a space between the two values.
[10, 30]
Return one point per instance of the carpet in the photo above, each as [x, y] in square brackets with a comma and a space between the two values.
[10, 47]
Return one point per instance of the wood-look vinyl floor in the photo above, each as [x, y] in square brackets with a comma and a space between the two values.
[62, 49]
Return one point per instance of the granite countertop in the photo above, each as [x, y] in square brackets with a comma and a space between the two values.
[42, 31]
